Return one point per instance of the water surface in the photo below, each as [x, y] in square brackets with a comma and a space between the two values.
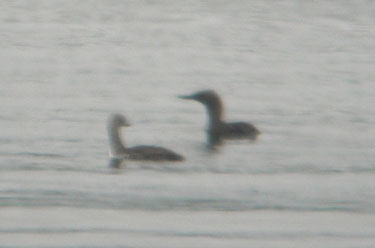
[301, 72]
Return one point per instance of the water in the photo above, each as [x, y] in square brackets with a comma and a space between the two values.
[302, 72]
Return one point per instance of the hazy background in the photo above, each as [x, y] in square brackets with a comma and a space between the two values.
[301, 71]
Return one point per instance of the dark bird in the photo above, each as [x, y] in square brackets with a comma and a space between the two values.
[119, 152]
[217, 128]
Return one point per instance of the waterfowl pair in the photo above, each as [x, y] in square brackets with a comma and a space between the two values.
[217, 131]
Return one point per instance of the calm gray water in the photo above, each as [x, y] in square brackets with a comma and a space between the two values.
[301, 71]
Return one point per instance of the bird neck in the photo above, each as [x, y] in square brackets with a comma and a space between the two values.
[215, 112]
[115, 143]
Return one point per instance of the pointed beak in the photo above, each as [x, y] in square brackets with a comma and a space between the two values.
[189, 97]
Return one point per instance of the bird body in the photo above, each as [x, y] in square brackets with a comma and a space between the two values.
[155, 153]
[217, 128]
[143, 152]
